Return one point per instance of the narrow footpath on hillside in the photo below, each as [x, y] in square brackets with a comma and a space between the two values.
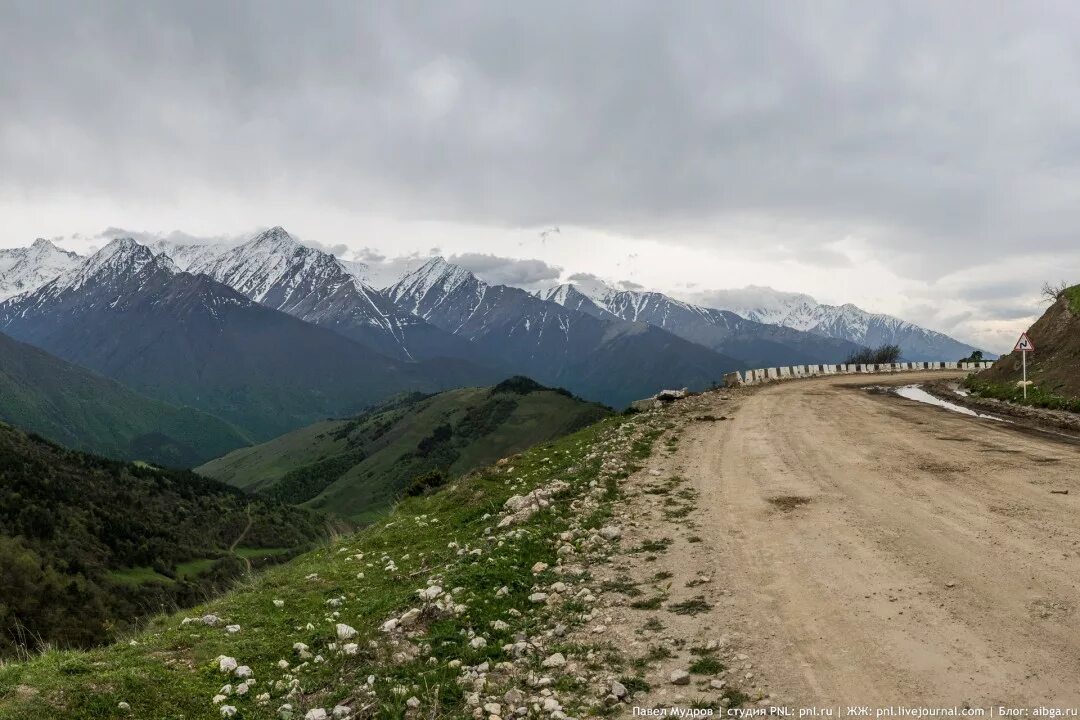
[242, 535]
[810, 543]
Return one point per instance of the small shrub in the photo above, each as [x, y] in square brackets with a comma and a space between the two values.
[634, 684]
[694, 606]
[423, 484]
[652, 603]
[706, 665]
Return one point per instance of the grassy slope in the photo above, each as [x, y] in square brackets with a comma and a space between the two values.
[388, 440]
[1054, 367]
[82, 410]
[169, 671]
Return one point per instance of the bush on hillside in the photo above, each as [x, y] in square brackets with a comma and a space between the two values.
[423, 484]
[521, 385]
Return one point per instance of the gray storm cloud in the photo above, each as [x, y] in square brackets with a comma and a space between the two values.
[508, 271]
[933, 130]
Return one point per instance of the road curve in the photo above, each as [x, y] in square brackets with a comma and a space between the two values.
[877, 550]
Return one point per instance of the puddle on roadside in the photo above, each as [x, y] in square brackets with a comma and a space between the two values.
[916, 393]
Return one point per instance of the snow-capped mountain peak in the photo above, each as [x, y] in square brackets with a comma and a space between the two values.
[188, 255]
[569, 296]
[43, 244]
[272, 262]
[28, 268]
[119, 259]
[593, 288]
[435, 275]
[276, 239]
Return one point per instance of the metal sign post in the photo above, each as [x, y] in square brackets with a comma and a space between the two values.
[1024, 345]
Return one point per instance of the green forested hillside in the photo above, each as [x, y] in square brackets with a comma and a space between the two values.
[357, 467]
[87, 545]
[82, 410]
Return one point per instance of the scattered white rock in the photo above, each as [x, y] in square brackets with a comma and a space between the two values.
[553, 661]
[345, 632]
[430, 593]
[226, 664]
[679, 677]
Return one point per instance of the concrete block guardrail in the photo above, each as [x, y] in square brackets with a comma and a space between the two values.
[764, 375]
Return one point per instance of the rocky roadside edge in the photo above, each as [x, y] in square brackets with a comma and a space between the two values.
[573, 662]
[662, 603]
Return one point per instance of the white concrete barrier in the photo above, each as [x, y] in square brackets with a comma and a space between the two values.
[763, 375]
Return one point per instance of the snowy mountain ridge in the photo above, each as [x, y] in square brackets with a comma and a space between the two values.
[276, 270]
[847, 321]
[714, 325]
[757, 344]
[28, 268]
[594, 354]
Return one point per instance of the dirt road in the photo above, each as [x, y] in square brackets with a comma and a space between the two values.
[862, 548]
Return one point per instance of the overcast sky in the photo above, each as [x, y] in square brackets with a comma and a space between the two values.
[917, 158]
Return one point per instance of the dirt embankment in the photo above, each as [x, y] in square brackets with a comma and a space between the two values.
[1055, 364]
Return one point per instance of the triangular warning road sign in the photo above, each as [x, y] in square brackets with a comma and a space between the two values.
[1024, 344]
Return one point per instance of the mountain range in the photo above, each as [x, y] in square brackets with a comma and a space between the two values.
[276, 271]
[271, 334]
[754, 343]
[846, 322]
[189, 340]
[597, 357]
